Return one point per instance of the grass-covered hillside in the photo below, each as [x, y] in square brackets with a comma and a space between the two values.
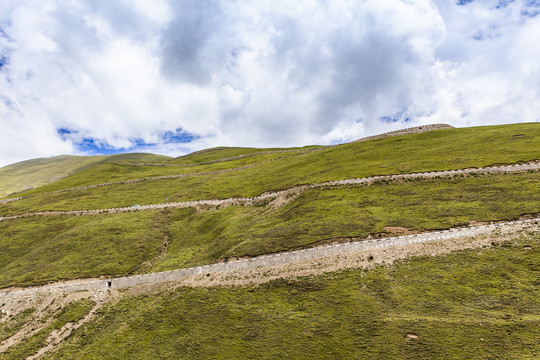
[36, 250]
[475, 304]
[436, 150]
[67, 247]
[38, 172]
[231, 153]
[478, 303]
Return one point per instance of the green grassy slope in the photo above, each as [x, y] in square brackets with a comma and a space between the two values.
[33, 252]
[437, 150]
[37, 250]
[223, 153]
[474, 304]
[318, 216]
[139, 157]
[481, 303]
[38, 172]
[109, 172]
[67, 247]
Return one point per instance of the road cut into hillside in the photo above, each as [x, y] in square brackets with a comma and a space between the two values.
[288, 194]
[481, 235]
[364, 254]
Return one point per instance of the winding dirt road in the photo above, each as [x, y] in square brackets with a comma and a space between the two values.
[287, 194]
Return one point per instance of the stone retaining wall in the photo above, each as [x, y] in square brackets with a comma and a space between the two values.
[281, 258]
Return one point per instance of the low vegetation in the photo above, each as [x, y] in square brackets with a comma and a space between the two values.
[431, 151]
[473, 304]
[111, 171]
[319, 216]
[10, 325]
[38, 172]
[66, 247]
[225, 153]
[35, 252]
[481, 303]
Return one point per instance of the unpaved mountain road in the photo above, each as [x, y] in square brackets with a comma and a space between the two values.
[280, 259]
[290, 193]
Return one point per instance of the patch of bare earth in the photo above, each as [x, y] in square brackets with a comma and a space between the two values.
[46, 304]
[57, 336]
[287, 196]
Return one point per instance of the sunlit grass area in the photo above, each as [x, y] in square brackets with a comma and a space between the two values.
[436, 150]
[481, 303]
[38, 172]
[226, 153]
[473, 304]
[35, 250]
[49, 249]
[113, 171]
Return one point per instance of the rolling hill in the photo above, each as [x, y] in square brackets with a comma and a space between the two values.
[104, 217]
[34, 173]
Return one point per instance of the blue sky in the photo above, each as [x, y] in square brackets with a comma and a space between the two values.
[170, 77]
[93, 146]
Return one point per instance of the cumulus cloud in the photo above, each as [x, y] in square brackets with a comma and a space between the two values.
[170, 77]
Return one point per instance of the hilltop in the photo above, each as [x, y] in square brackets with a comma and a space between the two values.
[105, 217]
[34, 173]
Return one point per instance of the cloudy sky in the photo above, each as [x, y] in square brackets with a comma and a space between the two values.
[173, 76]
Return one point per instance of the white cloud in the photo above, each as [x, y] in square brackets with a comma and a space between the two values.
[258, 73]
